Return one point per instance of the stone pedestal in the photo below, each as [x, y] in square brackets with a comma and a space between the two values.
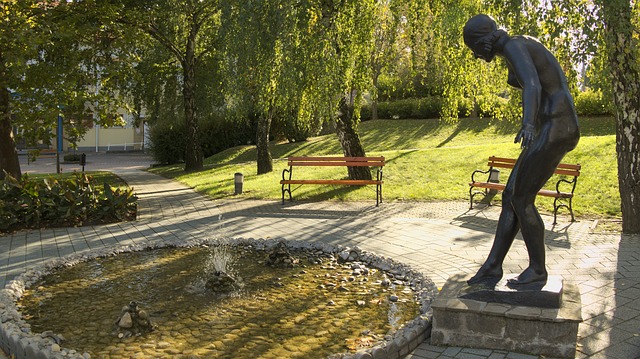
[495, 321]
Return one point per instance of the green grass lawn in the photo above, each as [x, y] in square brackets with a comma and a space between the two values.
[427, 160]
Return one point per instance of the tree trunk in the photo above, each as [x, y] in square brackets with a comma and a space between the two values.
[8, 156]
[625, 78]
[374, 97]
[193, 152]
[265, 162]
[349, 139]
[374, 109]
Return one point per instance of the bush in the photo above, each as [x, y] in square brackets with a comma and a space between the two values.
[491, 106]
[216, 133]
[592, 103]
[295, 126]
[412, 108]
[53, 203]
[168, 143]
[72, 157]
[219, 134]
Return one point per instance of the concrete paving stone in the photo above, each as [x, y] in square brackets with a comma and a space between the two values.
[599, 342]
[622, 351]
[512, 355]
[479, 352]
[466, 355]
[452, 351]
[425, 351]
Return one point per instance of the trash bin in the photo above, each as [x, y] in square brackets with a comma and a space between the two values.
[238, 179]
[494, 177]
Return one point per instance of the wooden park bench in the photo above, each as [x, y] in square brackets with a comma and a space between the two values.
[292, 162]
[568, 181]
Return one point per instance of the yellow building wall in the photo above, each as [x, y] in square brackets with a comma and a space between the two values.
[112, 139]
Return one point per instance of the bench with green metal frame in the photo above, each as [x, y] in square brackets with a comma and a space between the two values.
[562, 198]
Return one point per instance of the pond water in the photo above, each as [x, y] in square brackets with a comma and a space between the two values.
[311, 310]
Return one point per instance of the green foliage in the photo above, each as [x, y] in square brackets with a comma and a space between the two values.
[63, 62]
[431, 107]
[71, 157]
[428, 107]
[168, 142]
[217, 133]
[62, 202]
[592, 103]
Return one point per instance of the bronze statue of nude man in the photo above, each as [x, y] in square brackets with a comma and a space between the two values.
[549, 130]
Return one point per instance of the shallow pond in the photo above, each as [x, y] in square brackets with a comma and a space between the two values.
[317, 308]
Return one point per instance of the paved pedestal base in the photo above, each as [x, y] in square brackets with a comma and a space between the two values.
[459, 321]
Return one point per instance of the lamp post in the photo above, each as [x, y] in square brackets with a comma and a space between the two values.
[58, 142]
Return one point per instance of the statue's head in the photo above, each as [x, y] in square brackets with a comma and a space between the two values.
[478, 35]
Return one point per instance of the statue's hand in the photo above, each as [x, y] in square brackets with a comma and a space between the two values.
[526, 135]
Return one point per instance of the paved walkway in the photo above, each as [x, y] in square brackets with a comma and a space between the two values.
[440, 239]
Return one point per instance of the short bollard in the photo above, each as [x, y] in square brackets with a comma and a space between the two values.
[83, 160]
[238, 179]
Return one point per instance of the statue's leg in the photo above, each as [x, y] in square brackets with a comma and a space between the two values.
[532, 228]
[491, 270]
[538, 164]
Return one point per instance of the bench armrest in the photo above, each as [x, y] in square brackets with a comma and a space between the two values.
[473, 179]
[284, 171]
[572, 183]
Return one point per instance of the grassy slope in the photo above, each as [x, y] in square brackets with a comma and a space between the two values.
[426, 160]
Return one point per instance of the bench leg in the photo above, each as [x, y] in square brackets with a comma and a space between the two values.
[378, 194]
[286, 190]
[472, 194]
[557, 206]
[573, 219]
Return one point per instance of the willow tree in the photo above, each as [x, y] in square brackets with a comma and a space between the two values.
[338, 43]
[259, 38]
[300, 57]
[439, 41]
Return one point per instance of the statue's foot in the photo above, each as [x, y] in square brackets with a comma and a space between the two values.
[529, 278]
[486, 275]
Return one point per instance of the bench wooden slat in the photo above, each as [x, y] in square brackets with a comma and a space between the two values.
[501, 186]
[339, 159]
[336, 181]
[336, 163]
[554, 194]
[567, 169]
[488, 185]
